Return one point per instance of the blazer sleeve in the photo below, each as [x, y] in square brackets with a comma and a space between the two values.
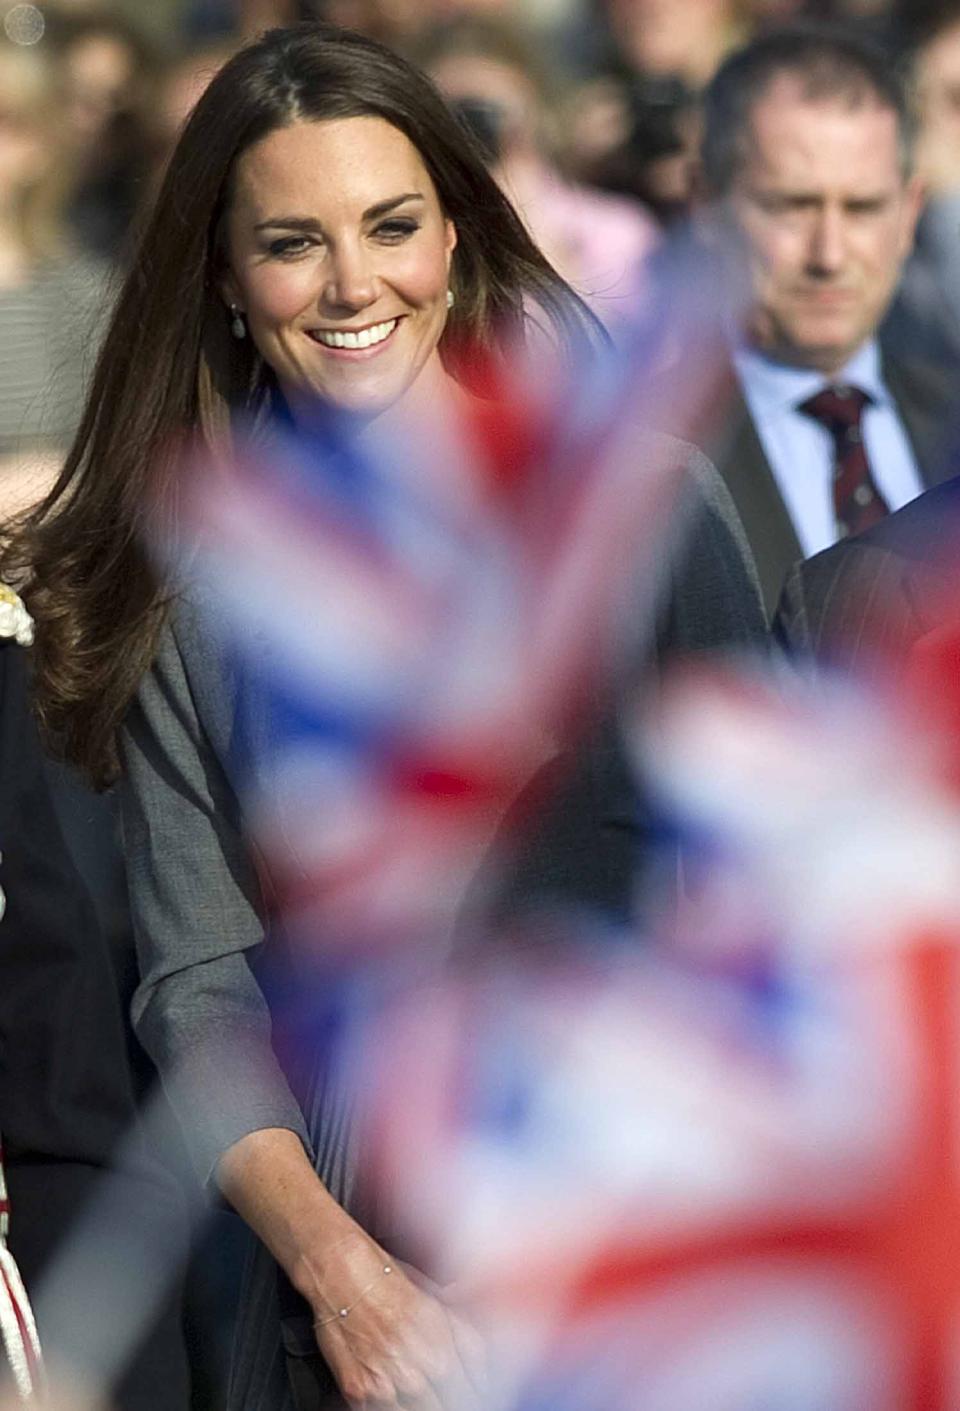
[195, 905]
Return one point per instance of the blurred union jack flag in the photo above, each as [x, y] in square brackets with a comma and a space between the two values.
[420, 620]
[727, 1176]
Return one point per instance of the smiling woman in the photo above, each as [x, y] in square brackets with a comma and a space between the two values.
[321, 191]
[326, 231]
[342, 278]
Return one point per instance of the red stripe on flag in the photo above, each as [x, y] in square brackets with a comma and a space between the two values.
[26, 1337]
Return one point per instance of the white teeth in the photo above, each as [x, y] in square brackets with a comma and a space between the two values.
[365, 338]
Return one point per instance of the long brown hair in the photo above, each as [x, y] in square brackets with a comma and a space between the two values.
[168, 366]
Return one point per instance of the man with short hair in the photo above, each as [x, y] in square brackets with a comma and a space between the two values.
[807, 163]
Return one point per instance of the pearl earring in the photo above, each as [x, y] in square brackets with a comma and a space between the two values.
[450, 298]
[237, 326]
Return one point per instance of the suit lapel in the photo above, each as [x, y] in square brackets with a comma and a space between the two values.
[739, 456]
[923, 398]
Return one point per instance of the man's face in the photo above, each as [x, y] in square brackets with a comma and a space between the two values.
[824, 220]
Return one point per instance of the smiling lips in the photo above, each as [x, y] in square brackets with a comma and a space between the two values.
[354, 340]
[828, 295]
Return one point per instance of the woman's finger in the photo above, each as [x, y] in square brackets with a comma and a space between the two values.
[406, 1392]
[427, 1399]
[453, 1384]
[471, 1349]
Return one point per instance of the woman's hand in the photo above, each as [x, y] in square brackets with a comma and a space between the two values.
[398, 1345]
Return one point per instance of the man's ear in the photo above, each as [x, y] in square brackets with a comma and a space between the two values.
[914, 200]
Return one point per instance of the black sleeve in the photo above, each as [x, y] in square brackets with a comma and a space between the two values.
[65, 1088]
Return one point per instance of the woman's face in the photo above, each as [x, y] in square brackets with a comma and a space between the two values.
[339, 258]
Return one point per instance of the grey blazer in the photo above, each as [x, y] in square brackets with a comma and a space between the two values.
[199, 1010]
[196, 900]
[197, 907]
[194, 891]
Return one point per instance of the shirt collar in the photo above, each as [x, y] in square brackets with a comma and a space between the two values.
[775, 387]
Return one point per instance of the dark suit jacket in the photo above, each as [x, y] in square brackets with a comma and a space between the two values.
[65, 1090]
[869, 599]
[925, 400]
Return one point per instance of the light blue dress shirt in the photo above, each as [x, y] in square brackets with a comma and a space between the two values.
[801, 451]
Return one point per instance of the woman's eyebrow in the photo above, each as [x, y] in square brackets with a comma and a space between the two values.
[381, 208]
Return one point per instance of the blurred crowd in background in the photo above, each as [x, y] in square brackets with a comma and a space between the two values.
[588, 109]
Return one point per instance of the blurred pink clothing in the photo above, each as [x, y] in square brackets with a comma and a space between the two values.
[600, 243]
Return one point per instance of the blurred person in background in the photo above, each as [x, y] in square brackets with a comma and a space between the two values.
[926, 314]
[67, 1077]
[397, 23]
[53, 303]
[394, 22]
[767, 12]
[869, 604]
[659, 41]
[50, 296]
[663, 40]
[107, 73]
[808, 170]
[629, 143]
[179, 86]
[600, 244]
[642, 65]
[876, 19]
[325, 230]
[68, 1110]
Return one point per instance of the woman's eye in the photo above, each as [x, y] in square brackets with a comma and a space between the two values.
[288, 245]
[397, 230]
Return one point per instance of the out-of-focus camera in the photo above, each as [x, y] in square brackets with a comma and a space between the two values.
[485, 121]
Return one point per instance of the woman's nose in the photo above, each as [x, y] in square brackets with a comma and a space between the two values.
[351, 282]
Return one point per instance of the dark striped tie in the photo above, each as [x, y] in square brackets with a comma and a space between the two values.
[857, 502]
